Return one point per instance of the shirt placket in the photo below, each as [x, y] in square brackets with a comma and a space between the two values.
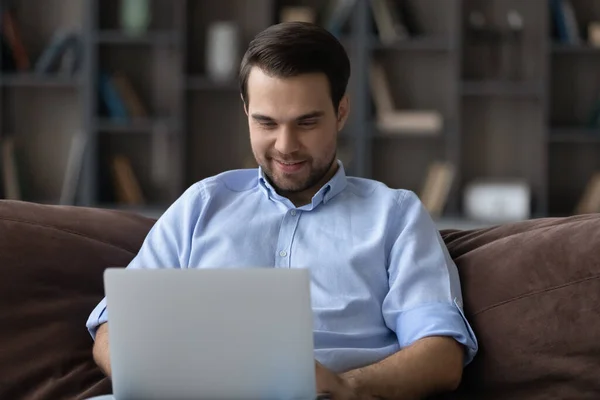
[286, 238]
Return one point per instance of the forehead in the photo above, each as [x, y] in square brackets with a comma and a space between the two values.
[287, 96]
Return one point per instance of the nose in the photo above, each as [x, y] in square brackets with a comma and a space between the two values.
[287, 141]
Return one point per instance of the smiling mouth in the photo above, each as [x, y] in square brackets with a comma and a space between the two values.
[289, 162]
[290, 167]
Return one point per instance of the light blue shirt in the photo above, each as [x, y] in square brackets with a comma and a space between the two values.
[381, 275]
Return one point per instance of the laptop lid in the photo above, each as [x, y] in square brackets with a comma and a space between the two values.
[210, 333]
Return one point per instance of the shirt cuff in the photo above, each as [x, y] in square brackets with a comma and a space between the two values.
[98, 317]
[437, 319]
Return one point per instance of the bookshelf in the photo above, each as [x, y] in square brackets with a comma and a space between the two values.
[573, 149]
[514, 103]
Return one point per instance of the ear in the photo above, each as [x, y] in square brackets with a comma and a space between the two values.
[342, 112]
[243, 102]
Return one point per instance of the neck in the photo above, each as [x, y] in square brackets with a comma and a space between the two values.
[300, 199]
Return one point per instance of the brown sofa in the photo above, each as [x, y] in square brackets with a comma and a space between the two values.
[531, 291]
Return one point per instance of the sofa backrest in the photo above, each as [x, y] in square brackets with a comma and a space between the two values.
[532, 293]
[51, 263]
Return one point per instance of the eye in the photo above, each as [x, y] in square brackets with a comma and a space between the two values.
[268, 124]
[308, 123]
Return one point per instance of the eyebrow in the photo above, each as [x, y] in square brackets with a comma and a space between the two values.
[310, 115]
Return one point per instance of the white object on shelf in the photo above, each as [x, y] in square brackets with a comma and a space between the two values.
[222, 49]
[497, 201]
[594, 34]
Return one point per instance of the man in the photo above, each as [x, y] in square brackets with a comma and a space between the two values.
[386, 295]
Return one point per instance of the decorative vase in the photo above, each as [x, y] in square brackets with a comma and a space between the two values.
[135, 16]
[222, 50]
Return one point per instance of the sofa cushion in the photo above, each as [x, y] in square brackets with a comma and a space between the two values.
[532, 292]
[51, 263]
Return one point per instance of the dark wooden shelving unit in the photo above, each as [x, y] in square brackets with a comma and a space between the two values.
[502, 88]
[33, 80]
[150, 38]
[135, 125]
[528, 123]
[424, 43]
[200, 82]
[574, 135]
[407, 135]
[572, 49]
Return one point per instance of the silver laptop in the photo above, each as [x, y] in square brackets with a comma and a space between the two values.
[210, 334]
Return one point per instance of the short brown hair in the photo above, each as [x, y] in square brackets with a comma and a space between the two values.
[293, 48]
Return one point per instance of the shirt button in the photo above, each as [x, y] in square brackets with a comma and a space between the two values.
[283, 253]
[293, 213]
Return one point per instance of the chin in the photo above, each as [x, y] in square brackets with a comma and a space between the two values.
[288, 185]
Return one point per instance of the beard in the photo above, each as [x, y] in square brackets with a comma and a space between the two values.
[288, 183]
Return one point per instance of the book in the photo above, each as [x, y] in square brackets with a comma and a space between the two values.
[12, 34]
[380, 89]
[64, 53]
[68, 195]
[384, 21]
[111, 98]
[436, 188]
[131, 99]
[565, 21]
[338, 16]
[559, 23]
[394, 20]
[590, 200]
[127, 186]
[572, 25]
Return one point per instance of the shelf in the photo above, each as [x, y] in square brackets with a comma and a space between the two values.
[560, 48]
[574, 135]
[150, 38]
[379, 133]
[205, 83]
[403, 135]
[461, 223]
[502, 88]
[140, 126]
[426, 43]
[148, 211]
[32, 80]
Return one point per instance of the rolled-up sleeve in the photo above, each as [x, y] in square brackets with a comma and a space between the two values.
[424, 297]
[167, 245]
[98, 317]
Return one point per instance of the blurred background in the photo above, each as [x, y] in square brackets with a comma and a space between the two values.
[489, 110]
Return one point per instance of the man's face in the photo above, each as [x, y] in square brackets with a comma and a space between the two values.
[293, 128]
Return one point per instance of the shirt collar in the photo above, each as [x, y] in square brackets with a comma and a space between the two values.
[329, 190]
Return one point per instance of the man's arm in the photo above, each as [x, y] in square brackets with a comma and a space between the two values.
[429, 366]
[100, 350]
[165, 246]
[423, 307]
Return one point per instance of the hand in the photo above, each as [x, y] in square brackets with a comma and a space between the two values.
[333, 384]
